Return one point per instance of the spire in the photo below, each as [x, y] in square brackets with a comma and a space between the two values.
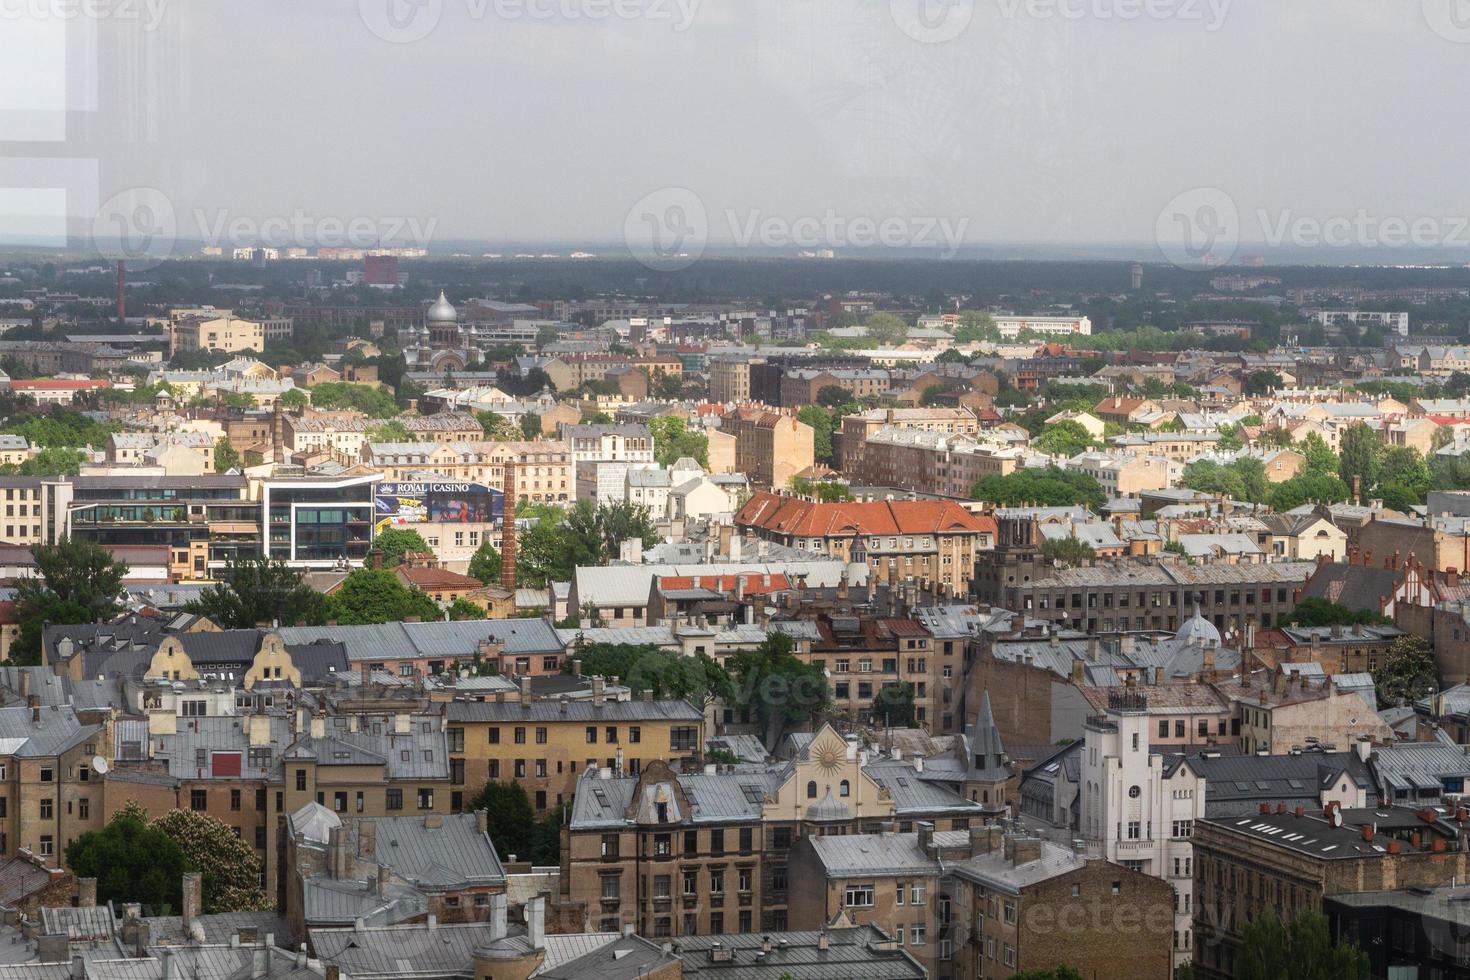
[986, 748]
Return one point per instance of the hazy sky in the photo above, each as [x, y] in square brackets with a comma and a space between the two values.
[1051, 121]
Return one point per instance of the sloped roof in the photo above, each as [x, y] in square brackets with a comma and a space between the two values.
[804, 518]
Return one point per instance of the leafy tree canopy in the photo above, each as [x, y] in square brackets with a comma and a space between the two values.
[1302, 949]
[375, 595]
[254, 589]
[396, 542]
[1050, 487]
[132, 862]
[76, 581]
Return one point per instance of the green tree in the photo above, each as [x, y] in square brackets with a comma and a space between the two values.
[669, 387]
[497, 427]
[1262, 383]
[76, 581]
[485, 563]
[131, 861]
[773, 688]
[1318, 455]
[833, 396]
[546, 335]
[1069, 550]
[49, 462]
[1315, 611]
[59, 427]
[976, 327]
[531, 426]
[1301, 950]
[510, 820]
[230, 866]
[1360, 454]
[1050, 487]
[375, 595]
[392, 430]
[372, 402]
[225, 456]
[1064, 439]
[672, 441]
[1313, 487]
[462, 609]
[886, 330]
[253, 590]
[1408, 673]
[293, 400]
[396, 542]
[894, 705]
[624, 521]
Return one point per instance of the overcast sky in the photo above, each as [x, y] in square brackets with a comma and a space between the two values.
[1040, 121]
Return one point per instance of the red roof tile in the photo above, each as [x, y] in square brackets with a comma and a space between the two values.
[805, 519]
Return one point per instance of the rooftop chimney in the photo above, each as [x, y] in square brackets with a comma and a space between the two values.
[193, 892]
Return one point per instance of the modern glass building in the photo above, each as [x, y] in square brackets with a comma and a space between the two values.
[318, 522]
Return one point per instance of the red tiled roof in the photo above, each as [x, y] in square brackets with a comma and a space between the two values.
[724, 583]
[432, 579]
[803, 518]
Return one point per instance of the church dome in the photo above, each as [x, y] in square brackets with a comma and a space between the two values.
[829, 809]
[1197, 629]
[442, 311]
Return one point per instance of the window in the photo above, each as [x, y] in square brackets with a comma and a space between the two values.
[300, 780]
[47, 774]
[456, 739]
[859, 896]
[1010, 955]
[591, 734]
[541, 735]
[717, 881]
[1009, 913]
[747, 842]
[235, 800]
[916, 893]
[198, 799]
[520, 735]
[611, 735]
[47, 808]
[745, 877]
[691, 881]
[660, 887]
[635, 734]
[662, 845]
[916, 935]
[394, 799]
[494, 736]
[84, 808]
[1183, 829]
[48, 845]
[716, 842]
[844, 788]
[611, 887]
[811, 789]
[683, 739]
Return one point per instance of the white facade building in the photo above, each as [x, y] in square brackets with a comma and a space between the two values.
[1138, 809]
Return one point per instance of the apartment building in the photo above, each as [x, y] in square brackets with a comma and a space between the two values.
[1138, 807]
[1127, 474]
[50, 790]
[863, 656]
[1019, 904]
[930, 541]
[1116, 596]
[858, 429]
[931, 462]
[35, 509]
[729, 379]
[895, 882]
[218, 333]
[1282, 860]
[1011, 326]
[770, 448]
[547, 745]
[543, 469]
[707, 853]
[800, 386]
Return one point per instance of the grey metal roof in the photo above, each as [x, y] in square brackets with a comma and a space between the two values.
[624, 958]
[198, 738]
[453, 854]
[1241, 782]
[1416, 766]
[419, 753]
[392, 952]
[399, 641]
[864, 952]
[876, 854]
[56, 731]
[992, 868]
[916, 797]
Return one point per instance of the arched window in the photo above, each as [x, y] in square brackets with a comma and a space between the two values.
[843, 789]
[811, 790]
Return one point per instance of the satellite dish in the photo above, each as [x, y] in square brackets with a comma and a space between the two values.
[99, 764]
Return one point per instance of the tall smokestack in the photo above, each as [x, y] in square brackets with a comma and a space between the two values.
[122, 302]
[508, 531]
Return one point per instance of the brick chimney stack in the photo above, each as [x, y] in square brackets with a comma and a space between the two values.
[508, 532]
